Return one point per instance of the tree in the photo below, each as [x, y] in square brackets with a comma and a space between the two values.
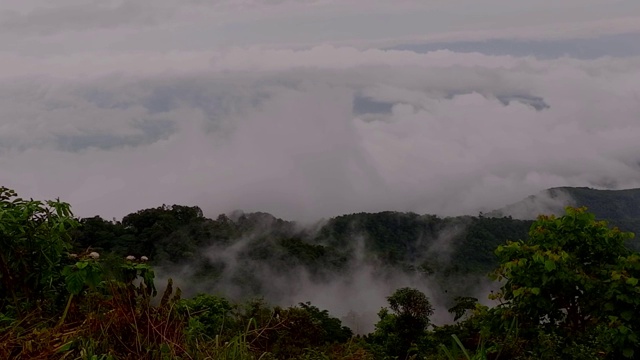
[411, 305]
[398, 332]
[34, 243]
[573, 278]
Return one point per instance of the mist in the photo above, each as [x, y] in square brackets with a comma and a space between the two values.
[354, 293]
[401, 141]
[547, 202]
[330, 130]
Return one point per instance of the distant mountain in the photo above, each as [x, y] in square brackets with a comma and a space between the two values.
[550, 201]
[607, 204]
[620, 207]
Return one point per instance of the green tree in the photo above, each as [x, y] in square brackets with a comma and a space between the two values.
[411, 305]
[402, 330]
[34, 243]
[332, 329]
[573, 279]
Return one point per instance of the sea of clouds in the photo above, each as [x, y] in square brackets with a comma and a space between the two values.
[317, 132]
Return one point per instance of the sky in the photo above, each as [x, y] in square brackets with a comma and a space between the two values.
[315, 108]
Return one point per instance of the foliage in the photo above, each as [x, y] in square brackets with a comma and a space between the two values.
[460, 351]
[569, 290]
[34, 241]
[401, 332]
[208, 316]
[411, 306]
[85, 272]
[573, 275]
[462, 306]
[288, 333]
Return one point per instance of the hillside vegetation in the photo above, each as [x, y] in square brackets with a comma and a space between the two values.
[620, 207]
[86, 288]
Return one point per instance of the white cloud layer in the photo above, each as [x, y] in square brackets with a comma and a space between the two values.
[312, 133]
[292, 107]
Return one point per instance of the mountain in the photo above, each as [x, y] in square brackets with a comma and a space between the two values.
[620, 207]
[257, 254]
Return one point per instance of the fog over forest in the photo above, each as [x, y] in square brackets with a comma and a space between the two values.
[370, 157]
[123, 105]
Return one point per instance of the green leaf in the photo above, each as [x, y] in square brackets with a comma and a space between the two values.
[627, 352]
[94, 277]
[66, 347]
[67, 270]
[615, 275]
[538, 258]
[549, 265]
[535, 291]
[627, 315]
[632, 281]
[75, 282]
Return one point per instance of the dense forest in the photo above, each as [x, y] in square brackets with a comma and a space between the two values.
[170, 283]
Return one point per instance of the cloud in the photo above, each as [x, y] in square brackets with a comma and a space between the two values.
[41, 18]
[355, 294]
[616, 45]
[546, 202]
[43, 28]
[45, 20]
[286, 132]
[295, 107]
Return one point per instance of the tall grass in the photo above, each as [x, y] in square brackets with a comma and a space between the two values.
[454, 353]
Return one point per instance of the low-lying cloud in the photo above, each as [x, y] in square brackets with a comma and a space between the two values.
[355, 294]
[315, 133]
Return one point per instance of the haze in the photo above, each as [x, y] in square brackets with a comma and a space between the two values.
[309, 109]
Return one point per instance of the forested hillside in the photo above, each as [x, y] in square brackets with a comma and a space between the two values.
[89, 288]
[620, 207]
[424, 244]
[420, 245]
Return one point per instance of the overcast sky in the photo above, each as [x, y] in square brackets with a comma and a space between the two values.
[314, 108]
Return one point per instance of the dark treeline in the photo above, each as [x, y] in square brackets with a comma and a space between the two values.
[426, 243]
